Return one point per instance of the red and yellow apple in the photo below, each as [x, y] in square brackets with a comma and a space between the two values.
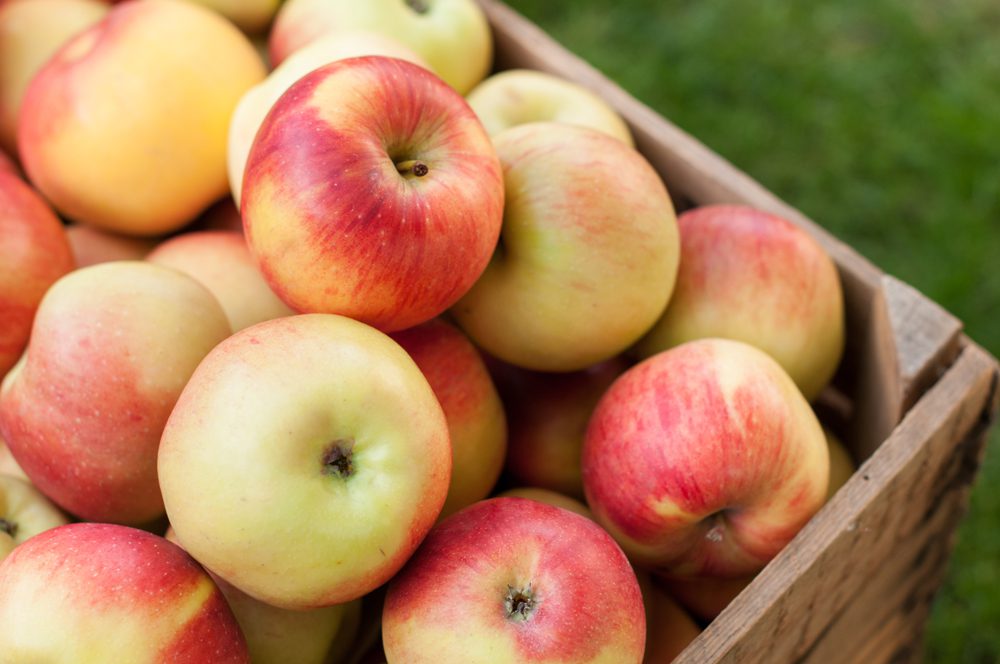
[754, 277]
[525, 581]
[705, 460]
[251, 16]
[372, 191]
[549, 497]
[669, 628]
[92, 246]
[111, 349]
[92, 593]
[305, 460]
[477, 425]
[24, 512]
[705, 597]
[221, 262]
[588, 251]
[125, 127]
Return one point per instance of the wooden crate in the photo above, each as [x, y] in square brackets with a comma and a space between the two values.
[914, 400]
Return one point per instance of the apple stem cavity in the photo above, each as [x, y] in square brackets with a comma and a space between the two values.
[413, 167]
[419, 6]
[337, 459]
[520, 603]
[8, 527]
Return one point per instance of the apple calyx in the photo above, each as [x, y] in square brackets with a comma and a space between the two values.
[419, 6]
[520, 603]
[413, 167]
[8, 527]
[336, 459]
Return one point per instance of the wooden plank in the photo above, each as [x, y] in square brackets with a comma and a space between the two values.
[794, 599]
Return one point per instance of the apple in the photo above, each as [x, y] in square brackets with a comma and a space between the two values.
[477, 425]
[705, 460]
[548, 420]
[305, 460]
[549, 497]
[34, 253]
[755, 277]
[91, 593]
[276, 636]
[370, 198]
[842, 465]
[669, 629]
[588, 256]
[525, 581]
[221, 262]
[705, 597]
[112, 347]
[125, 127]
[24, 512]
[521, 96]
[7, 165]
[452, 36]
[251, 16]
[31, 31]
[8, 464]
[258, 100]
[92, 246]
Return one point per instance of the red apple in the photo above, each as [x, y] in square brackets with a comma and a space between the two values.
[34, 253]
[476, 422]
[514, 580]
[705, 460]
[95, 593]
[550, 498]
[372, 191]
[92, 246]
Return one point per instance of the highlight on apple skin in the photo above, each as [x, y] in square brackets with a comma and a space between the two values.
[526, 581]
[705, 460]
[372, 191]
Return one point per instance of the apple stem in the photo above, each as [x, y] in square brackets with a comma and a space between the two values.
[412, 166]
[337, 460]
[8, 527]
[520, 604]
[419, 6]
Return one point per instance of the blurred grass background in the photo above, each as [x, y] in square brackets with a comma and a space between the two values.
[878, 119]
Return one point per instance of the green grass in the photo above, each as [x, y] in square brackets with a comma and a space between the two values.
[881, 120]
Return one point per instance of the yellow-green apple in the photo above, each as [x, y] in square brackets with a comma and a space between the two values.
[92, 246]
[525, 581]
[477, 425]
[125, 127]
[841, 464]
[756, 277]
[258, 100]
[705, 597]
[521, 96]
[305, 460]
[588, 251]
[24, 512]
[549, 497]
[31, 31]
[452, 36]
[276, 636]
[669, 629]
[112, 347]
[704, 460]
[372, 191]
[251, 16]
[8, 464]
[34, 253]
[91, 593]
[221, 261]
[548, 420]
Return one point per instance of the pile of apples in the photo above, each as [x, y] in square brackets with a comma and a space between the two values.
[438, 287]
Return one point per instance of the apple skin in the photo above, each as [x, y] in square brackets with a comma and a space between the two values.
[590, 251]
[111, 349]
[221, 262]
[705, 597]
[754, 277]
[251, 16]
[705, 460]
[669, 628]
[24, 512]
[305, 460]
[31, 31]
[521, 96]
[453, 36]
[160, 169]
[8, 465]
[92, 246]
[842, 465]
[258, 100]
[7, 165]
[550, 498]
[91, 593]
[477, 425]
[34, 253]
[334, 224]
[585, 606]
[548, 420]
